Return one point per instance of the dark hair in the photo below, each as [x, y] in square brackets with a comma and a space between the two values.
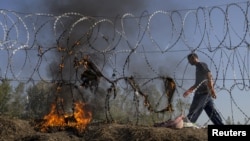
[192, 55]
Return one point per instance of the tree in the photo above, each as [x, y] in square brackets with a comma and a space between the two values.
[38, 99]
[5, 91]
[17, 101]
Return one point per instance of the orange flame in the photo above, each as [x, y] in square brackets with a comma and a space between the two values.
[82, 118]
[55, 118]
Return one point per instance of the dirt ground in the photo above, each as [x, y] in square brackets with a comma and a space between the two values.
[12, 129]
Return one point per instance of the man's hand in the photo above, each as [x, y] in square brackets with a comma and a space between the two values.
[213, 94]
[187, 93]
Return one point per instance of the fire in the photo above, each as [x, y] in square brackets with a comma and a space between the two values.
[82, 118]
[79, 119]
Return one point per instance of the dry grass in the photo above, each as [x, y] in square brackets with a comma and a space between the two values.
[21, 130]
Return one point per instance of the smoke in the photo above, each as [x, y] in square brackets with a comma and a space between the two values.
[89, 41]
[86, 7]
[95, 8]
[93, 40]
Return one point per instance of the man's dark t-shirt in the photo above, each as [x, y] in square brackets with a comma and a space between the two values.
[201, 74]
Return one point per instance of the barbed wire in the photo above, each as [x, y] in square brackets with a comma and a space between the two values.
[43, 47]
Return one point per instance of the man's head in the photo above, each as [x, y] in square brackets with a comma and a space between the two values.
[192, 58]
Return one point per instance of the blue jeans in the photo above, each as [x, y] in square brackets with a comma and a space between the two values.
[203, 101]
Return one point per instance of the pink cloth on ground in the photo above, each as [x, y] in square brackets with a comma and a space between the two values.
[175, 123]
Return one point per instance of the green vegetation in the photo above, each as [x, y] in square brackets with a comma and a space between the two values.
[35, 101]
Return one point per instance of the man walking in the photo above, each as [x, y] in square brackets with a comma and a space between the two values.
[204, 92]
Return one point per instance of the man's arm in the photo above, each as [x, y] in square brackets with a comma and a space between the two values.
[210, 85]
[189, 91]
